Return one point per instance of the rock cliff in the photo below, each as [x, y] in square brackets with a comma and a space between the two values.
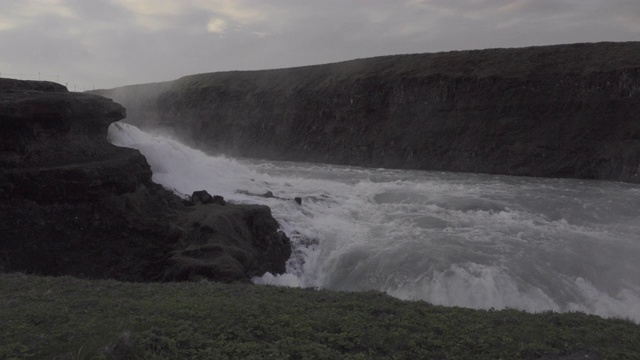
[552, 111]
[71, 203]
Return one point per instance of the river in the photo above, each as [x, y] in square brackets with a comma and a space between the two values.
[455, 239]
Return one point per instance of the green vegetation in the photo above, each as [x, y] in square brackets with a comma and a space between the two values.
[68, 318]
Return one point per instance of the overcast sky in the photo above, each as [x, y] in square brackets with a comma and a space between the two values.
[108, 43]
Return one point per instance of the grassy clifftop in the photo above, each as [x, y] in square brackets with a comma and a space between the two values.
[67, 318]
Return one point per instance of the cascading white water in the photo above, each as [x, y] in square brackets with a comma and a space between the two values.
[470, 240]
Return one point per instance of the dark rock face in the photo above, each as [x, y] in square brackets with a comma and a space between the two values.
[71, 203]
[202, 197]
[228, 243]
[553, 111]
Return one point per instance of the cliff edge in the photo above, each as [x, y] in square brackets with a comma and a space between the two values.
[73, 204]
[550, 111]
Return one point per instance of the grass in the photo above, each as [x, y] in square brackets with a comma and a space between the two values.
[68, 318]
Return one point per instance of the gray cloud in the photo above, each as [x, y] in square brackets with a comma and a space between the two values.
[107, 43]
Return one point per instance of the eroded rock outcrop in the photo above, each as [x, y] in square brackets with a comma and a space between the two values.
[553, 111]
[71, 203]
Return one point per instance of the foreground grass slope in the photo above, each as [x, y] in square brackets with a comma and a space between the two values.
[68, 318]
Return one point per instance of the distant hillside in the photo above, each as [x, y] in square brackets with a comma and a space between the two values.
[552, 111]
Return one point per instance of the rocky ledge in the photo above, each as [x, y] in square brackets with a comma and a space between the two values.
[551, 111]
[73, 204]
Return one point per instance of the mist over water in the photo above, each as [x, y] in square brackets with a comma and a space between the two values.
[469, 240]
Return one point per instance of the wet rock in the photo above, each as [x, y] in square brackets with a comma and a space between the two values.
[217, 199]
[73, 204]
[266, 195]
[201, 197]
[228, 243]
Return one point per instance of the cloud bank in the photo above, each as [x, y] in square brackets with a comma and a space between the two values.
[107, 43]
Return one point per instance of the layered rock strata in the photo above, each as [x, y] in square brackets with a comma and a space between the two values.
[73, 204]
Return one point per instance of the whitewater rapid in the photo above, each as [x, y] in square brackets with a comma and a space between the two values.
[470, 240]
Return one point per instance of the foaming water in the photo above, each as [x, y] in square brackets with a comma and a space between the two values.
[468, 240]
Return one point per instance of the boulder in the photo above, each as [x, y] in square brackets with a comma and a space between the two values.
[217, 199]
[201, 197]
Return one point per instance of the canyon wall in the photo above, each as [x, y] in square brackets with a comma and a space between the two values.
[550, 111]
